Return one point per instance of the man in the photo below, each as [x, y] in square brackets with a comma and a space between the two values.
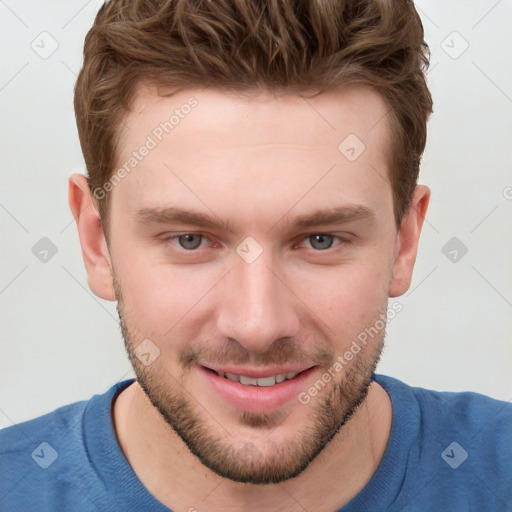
[252, 204]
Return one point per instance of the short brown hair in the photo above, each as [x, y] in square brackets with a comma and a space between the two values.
[241, 45]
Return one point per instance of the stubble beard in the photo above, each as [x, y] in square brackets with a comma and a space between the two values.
[241, 460]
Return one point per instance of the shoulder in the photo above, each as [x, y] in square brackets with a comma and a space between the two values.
[22, 435]
[34, 454]
[457, 448]
[460, 451]
[464, 411]
[34, 440]
[47, 461]
[467, 413]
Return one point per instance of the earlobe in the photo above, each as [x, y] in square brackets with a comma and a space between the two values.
[407, 241]
[92, 238]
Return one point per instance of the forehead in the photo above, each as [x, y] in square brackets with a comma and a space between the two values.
[253, 149]
[356, 106]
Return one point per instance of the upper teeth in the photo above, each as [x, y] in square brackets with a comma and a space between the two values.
[263, 381]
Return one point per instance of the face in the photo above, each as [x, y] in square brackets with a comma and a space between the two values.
[251, 245]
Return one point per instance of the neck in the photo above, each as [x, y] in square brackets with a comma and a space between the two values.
[176, 478]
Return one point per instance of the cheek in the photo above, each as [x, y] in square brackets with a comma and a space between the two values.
[163, 300]
[348, 298]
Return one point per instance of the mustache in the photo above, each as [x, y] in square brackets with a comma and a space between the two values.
[280, 352]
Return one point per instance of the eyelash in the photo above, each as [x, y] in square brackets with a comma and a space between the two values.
[341, 240]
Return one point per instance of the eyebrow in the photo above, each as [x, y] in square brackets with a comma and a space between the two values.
[177, 215]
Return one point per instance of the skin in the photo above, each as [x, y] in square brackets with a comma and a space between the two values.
[256, 162]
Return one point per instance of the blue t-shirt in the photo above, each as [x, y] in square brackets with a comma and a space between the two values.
[447, 452]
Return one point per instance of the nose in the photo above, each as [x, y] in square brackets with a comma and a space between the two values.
[256, 306]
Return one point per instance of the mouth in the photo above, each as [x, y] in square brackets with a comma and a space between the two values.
[269, 381]
[257, 390]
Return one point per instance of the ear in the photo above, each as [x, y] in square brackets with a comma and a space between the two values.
[407, 241]
[92, 239]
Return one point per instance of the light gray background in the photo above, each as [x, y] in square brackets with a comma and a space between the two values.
[60, 343]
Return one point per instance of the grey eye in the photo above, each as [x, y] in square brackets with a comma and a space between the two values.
[187, 241]
[321, 242]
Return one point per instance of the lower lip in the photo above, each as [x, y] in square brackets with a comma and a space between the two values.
[257, 398]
